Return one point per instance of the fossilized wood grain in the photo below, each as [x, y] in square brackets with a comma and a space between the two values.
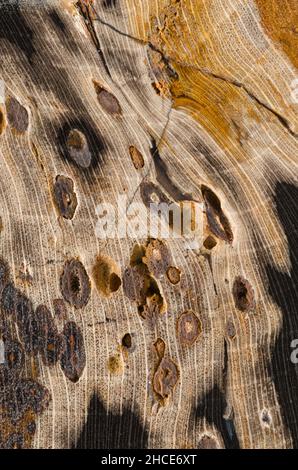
[210, 83]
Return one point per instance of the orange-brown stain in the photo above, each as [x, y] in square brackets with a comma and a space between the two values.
[280, 21]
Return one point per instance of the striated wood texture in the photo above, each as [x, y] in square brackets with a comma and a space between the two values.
[104, 343]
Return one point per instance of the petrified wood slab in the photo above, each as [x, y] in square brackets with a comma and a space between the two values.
[128, 341]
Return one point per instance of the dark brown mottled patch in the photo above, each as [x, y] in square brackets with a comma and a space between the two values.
[60, 309]
[174, 275]
[8, 299]
[4, 274]
[127, 342]
[210, 242]
[65, 197]
[230, 329]
[78, 148]
[189, 328]
[73, 359]
[165, 378]
[17, 115]
[106, 275]
[217, 220]
[157, 257]
[107, 100]
[243, 294]
[51, 344]
[136, 157]
[12, 367]
[75, 284]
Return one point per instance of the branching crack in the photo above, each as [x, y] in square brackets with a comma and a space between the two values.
[86, 11]
[169, 60]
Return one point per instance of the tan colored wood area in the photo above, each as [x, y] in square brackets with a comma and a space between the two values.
[135, 342]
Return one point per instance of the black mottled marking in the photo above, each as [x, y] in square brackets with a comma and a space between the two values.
[56, 19]
[73, 358]
[105, 430]
[217, 220]
[109, 3]
[11, 369]
[212, 407]
[27, 395]
[65, 197]
[95, 143]
[283, 289]
[4, 273]
[75, 283]
[163, 178]
[15, 29]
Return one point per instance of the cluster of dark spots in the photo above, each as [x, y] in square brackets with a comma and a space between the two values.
[243, 294]
[78, 148]
[107, 100]
[75, 284]
[60, 310]
[189, 327]
[73, 358]
[21, 399]
[141, 287]
[17, 115]
[106, 275]
[218, 223]
[26, 396]
[65, 197]
[51, 344]
[31, 395]
[173, 275]
[166, 375]
[80, 144]
[209, 242]
[230, 329]
[12, 367]
[136, 157]
[157, 257]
